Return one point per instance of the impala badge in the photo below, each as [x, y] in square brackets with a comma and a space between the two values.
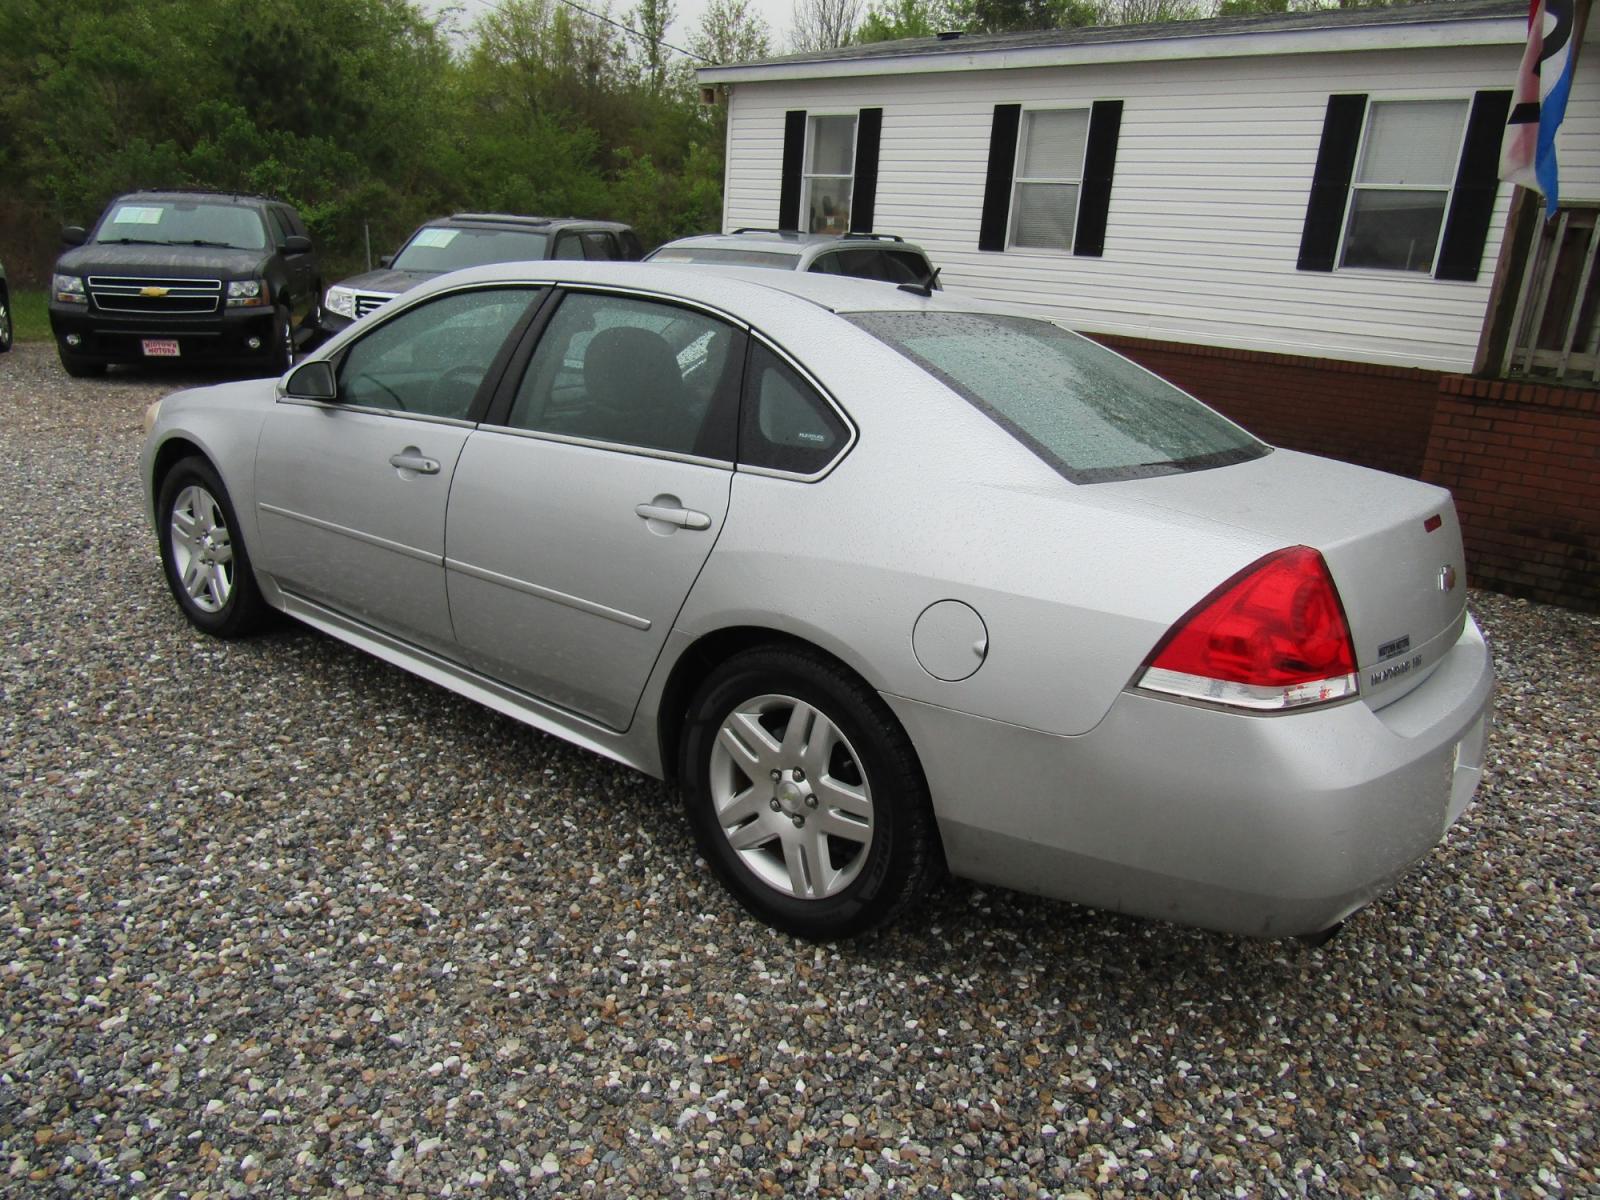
[1447, 578]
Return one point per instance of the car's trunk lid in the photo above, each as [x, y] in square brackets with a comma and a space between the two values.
[1392, 544]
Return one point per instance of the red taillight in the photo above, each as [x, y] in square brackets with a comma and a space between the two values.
[1272, 637]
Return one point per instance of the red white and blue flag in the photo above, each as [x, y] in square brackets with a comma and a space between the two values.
[1528, 154]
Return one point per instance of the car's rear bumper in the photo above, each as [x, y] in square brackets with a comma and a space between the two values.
[224, 337]
[1249, 824]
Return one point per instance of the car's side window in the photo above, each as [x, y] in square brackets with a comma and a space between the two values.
[280, 226]
[784, 424]
[431, 359]
[597, 246]
[901, 266]
[635, 372]
[568, 246]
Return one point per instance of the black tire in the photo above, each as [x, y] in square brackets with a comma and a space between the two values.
[5, 321]
[282, 341]
[870, 755]
[227, 609]
[82, 368]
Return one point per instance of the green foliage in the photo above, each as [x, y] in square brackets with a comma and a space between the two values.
[30, 315]
[360, 112]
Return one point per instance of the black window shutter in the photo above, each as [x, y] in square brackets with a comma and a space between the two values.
[1330, 185]
[1099, 163]
[997, 190]
[864, 194]
[794, 161]
[1466, 226]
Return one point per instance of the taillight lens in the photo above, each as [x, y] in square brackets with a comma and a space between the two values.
[1273, 637]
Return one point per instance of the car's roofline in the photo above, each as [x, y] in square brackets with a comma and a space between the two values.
[791, 240]
[239, 198]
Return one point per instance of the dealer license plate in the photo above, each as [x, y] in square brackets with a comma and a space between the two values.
[160, 347]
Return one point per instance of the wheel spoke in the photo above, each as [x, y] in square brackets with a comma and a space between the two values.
[183, 523]
[798, 856]
[819, 744]
[797, 735]
[750, 745]
[219, 584]
[752, 802]
[194, 577]
[846, 797]
[839, 825]
[756, 834]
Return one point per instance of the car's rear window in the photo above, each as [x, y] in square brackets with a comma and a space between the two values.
[437, 248]
[1091, 414]
[727, 257]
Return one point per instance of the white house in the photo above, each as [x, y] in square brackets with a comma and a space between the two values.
[1311, 184]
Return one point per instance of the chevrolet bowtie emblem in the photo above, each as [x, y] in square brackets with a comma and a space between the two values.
[152, 291]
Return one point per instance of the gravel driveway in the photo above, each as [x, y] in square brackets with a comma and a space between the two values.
[279, 919]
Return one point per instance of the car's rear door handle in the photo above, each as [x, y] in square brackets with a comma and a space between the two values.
[409, 461]
[683, 518]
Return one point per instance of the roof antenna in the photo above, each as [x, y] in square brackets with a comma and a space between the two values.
[925, 288]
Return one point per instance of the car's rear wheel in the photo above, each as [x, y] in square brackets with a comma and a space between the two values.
[805, 794]
[82, 368]
[206, 564]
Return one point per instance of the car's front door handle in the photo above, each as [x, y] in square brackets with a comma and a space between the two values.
[410, 461]
[683, 518]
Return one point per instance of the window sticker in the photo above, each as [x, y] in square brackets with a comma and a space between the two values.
[436, 239]
[133, 214]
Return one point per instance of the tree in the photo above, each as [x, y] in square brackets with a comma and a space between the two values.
[823, 24]
[650, 20]
[730, 32]
[889, 20]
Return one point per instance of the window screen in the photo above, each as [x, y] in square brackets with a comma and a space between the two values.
[1044, 205]
[784, 424]
[1402, 184]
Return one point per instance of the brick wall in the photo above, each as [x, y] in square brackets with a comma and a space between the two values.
[1371, 415]
[1523, 460]
[1524, 463]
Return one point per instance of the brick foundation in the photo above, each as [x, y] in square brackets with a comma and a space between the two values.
[1522, 459]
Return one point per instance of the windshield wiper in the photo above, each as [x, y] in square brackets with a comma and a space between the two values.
[203, 242]
[127, 241]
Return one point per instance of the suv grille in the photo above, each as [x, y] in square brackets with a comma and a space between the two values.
[368, 301]
[139, 294]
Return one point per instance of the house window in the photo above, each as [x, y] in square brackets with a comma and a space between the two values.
[829, 173]
[1401, 189]
[1044, 197]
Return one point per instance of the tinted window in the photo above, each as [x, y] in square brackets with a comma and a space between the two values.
[1089, 413]
[784, 424]
[432, 359]
[597, 246]
[182, 223]
[438, 249]
[616, 369]
[568, 246]
[280, 225]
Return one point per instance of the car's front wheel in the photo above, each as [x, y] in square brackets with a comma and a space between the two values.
[206, 564]
[805, 794]
[282, 341]
[5, 321]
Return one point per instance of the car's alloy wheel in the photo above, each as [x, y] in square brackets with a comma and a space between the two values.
[283, 336]
[5, 322]
[806, 794]
[206, 565]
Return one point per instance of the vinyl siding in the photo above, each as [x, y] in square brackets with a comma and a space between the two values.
[1212, 177]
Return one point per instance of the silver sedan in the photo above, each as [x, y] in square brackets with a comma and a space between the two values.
[887, 583]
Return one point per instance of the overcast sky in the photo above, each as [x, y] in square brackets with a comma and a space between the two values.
[778, 14]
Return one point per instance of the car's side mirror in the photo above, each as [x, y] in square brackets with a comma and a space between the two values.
[386, 261]
[312, 381]
[297, 243]
[74, 235]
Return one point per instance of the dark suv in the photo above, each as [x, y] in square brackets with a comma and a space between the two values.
[186, 276]
[472, 240]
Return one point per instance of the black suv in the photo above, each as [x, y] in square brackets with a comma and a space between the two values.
[472, 240]
[186, 276]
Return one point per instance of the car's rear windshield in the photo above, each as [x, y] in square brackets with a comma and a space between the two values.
[727, 257]
[439, 249]
[1091, 414]
[183, 223]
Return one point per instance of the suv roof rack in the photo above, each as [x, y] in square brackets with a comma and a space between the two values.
[787, 233]
[871, 237]
[500, 218]
[195, 191]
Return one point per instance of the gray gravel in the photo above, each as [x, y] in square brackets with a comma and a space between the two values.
[278, 919]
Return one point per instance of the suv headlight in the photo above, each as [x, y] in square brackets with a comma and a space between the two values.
[341, 301]
[68, 289]
[247, 293]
